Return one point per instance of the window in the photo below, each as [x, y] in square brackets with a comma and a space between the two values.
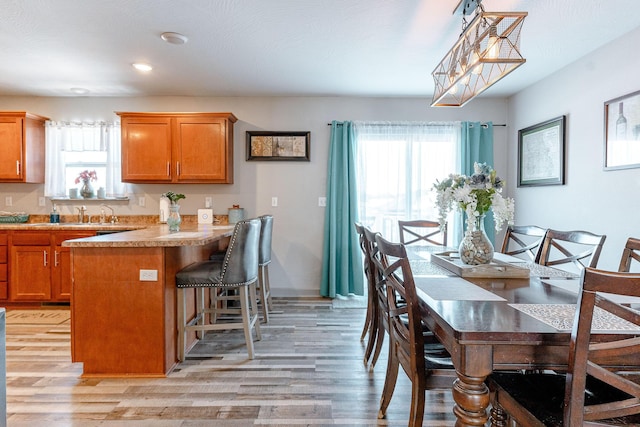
[398, 163]
[76, 147]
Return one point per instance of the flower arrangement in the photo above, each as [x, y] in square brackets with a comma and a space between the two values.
[86, 176]
[474, 195]
[173, 197]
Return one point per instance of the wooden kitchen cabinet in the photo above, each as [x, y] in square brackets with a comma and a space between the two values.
[22, 143]
[39, 267]
[177, 147]
[4, 271]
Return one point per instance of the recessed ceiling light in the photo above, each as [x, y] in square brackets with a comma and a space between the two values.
[142, 67]
[79, 90]
[174, 38]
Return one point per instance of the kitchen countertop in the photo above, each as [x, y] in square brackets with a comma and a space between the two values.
[69, 226]
[155, 236]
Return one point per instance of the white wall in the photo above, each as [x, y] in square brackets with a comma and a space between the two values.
[603, 202]
[299, 222]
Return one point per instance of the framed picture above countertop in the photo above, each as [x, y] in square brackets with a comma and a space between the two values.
[263, 145]
[541, 153]
[622, 132]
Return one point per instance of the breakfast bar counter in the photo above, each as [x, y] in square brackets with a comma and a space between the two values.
[123, 302]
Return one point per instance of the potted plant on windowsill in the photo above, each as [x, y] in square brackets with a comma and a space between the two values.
[174, 219]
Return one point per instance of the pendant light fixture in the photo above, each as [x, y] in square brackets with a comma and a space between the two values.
[488, 49]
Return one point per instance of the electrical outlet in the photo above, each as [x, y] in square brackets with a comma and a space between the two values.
[274, 201]
[322, 201]
[42, 202]
[148, 275]
[141, 201]
[208, 201]
[8, 201]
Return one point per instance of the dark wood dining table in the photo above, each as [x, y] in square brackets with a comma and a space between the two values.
[481, 323]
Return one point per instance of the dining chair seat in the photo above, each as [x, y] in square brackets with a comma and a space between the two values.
[238, 271]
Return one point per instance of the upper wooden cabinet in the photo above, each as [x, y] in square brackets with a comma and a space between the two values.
[22, 147]
[177, 147]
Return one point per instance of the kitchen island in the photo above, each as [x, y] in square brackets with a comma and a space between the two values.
[123, 302]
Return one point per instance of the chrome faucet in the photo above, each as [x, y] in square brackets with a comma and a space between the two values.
[103, 218]
[82, 210]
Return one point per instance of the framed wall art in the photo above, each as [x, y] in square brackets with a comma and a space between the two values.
[278, 145]
[541, 153]
[622, 132]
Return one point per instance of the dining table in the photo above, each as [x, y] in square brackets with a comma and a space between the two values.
[498, 323]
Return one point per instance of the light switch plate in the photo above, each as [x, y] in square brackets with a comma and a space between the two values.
[205, 216]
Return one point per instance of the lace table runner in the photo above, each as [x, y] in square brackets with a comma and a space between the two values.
[560, 317]
[573, 286]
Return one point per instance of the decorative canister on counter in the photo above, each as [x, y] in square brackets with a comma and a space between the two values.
[236, 213]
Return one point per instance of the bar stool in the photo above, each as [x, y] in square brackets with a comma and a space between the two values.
[220, 302]
[238, 270]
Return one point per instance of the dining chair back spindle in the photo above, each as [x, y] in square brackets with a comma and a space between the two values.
[423, 232]
[523, 241]
[597, 388]
[572, 249]
[406, 338]
[630, 253]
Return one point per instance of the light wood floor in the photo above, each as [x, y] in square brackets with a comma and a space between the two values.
[308, 371]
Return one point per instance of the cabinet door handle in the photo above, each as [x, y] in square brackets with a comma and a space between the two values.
[44, 258]
[18, 167]
[169, 169]
[56, 262]
[178, 168]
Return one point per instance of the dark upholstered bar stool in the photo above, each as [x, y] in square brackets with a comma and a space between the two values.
[238, 270]
[263, 287]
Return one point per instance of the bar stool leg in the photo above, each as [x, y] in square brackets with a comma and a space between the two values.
[181, 303]
[246, 320]
[264, 291]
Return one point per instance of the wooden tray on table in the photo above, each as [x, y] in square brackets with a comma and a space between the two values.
[496, 268]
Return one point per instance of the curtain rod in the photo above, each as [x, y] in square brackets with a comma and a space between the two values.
[435, 124]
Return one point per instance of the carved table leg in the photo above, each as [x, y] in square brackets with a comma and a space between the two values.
[472, 399]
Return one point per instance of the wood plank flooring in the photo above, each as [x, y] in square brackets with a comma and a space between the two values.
[308, 372]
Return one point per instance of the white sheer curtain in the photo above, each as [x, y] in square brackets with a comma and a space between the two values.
[398, 163]
[68, 136]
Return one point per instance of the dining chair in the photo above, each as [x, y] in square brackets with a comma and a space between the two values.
[578, 249]
[238, 271]
[522, 240]
[379, 320]
[371, 301]
[422, 231]
[406, 338]
[630, 253]
[596, 389]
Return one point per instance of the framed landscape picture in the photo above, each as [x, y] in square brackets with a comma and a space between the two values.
[278, 145]
[541, 153]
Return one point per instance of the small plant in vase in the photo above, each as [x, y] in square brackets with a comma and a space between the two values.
[86, 177]
[174, 219]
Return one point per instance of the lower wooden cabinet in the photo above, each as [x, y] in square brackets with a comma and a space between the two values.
[4, 270]
[39, 267]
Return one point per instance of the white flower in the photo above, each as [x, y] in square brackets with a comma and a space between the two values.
[474, 195]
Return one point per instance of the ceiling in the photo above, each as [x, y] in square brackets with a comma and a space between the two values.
[276, 47]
